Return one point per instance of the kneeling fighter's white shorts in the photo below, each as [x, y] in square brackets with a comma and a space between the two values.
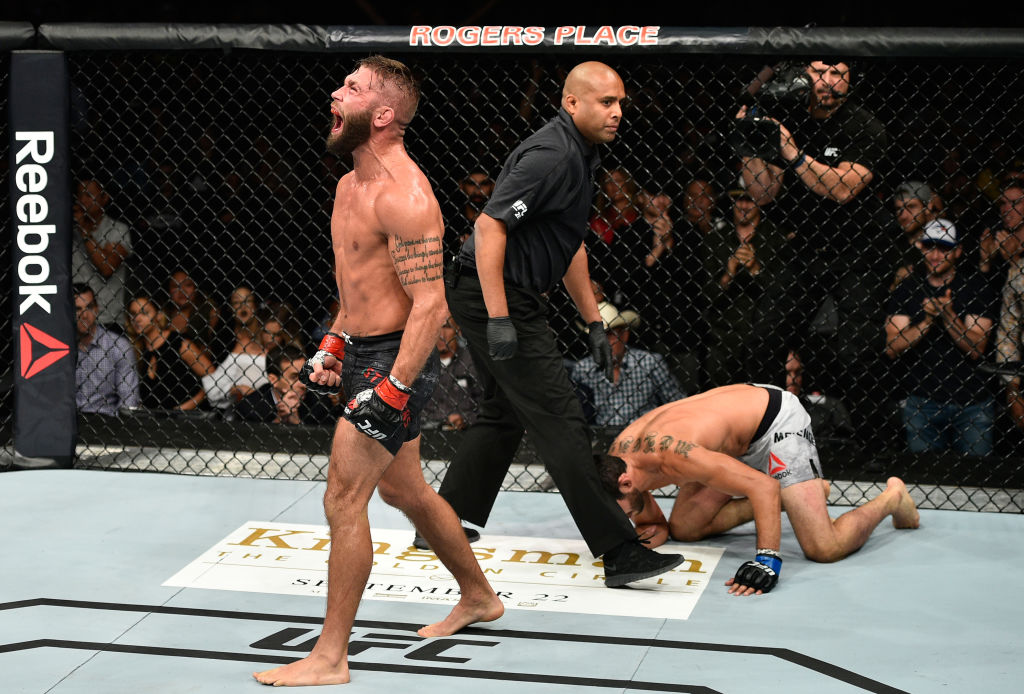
[783, 446]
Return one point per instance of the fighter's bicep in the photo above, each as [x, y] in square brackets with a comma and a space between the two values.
[414, 228]
[417, 259]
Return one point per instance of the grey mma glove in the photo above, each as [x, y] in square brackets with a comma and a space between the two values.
[501, 338]
[600, 349]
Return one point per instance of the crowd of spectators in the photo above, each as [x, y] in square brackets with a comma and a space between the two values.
[888, 287]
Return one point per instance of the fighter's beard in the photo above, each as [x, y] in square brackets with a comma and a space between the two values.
[355, 131]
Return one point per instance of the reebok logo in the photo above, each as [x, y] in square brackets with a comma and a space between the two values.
[32, 211]
[775, 465]
[30, 336]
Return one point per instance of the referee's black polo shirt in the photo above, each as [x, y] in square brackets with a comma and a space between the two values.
[543, 195]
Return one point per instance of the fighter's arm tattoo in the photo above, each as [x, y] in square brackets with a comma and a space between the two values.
[650, 442]
[417, 260]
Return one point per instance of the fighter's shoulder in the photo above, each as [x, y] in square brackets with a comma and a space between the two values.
[408, 193]
[346, 179]
[683, 420]
[624, 441]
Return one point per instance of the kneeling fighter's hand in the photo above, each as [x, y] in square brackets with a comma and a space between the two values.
[328, 357]
[757, 576]
[502, 341]
[380, 412]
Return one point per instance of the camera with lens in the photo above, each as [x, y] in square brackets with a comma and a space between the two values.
[756, 134]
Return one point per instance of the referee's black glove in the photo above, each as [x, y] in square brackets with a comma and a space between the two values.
[601, 350]
[501, 338]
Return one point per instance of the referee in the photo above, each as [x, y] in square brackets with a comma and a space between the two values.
[528, 237]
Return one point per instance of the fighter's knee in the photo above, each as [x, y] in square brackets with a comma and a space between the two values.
[681, 534]
[823, 553]
[391, 494]
[400, 496]
[337, 500]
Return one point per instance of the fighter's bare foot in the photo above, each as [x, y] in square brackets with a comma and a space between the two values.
[304, 673]
[827, 488]
[905, 516]
[485, 610]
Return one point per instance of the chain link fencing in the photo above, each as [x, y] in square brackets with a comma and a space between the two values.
[213, 165]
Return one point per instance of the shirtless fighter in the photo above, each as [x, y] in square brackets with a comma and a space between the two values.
[386, 231]
[737, 453]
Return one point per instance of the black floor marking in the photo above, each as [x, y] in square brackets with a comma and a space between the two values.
[799, 659]
[375, 667]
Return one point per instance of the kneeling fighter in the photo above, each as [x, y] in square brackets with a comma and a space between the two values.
[740, 453]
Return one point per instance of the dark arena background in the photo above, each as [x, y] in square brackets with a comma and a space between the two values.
[192, 142]
[208, 141]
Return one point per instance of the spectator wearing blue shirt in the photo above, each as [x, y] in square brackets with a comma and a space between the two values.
[641, 379]
[105, 376]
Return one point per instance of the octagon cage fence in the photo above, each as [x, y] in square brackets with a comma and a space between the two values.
[205, 145]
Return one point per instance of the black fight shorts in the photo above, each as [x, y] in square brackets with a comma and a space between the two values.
[368, 361]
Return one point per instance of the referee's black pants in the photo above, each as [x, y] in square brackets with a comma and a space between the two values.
[531, 391]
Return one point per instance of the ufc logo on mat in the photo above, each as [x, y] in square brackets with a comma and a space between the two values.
[368, 429]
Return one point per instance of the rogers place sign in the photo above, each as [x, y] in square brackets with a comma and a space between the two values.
[471, 36]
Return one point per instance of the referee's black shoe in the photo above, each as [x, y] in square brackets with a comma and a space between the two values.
[420, 542]
[632, 561]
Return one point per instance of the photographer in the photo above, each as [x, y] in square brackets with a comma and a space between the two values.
[816, 179]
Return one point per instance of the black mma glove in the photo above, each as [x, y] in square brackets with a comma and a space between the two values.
[600, 349]
[762, 573]
[333, 344]
[380, 412]
[501, 338]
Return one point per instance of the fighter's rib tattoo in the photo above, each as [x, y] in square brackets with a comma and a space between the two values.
[417, 260]
[649, 443]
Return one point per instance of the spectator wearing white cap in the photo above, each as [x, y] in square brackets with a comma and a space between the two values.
[939, 324]
[641, 379]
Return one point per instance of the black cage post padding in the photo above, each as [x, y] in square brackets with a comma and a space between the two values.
[40, 223]
[211, 140]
